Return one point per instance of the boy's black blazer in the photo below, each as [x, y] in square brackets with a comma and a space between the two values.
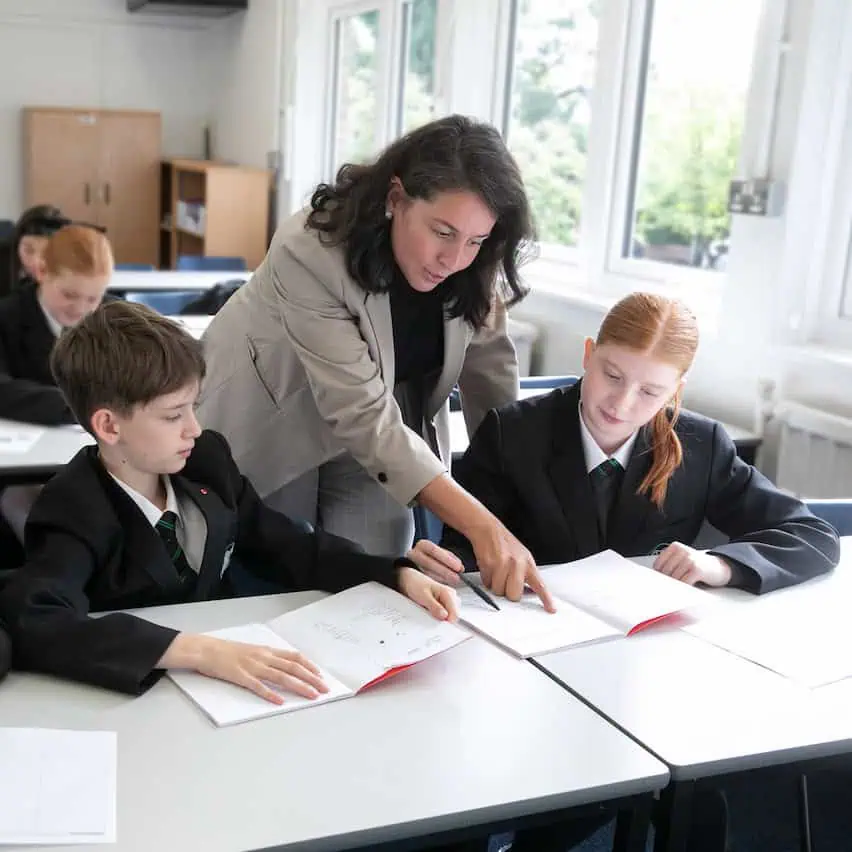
[90, 548]
[27, 389]
[526, 464]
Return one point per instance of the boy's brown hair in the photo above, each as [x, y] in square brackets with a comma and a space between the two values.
[123, 355]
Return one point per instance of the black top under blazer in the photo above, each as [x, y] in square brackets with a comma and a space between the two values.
[526, 464]
[27, 390]
[89, 548]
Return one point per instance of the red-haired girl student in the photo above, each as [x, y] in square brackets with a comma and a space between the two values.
[67, 273]
[66, 279]
[613, 462]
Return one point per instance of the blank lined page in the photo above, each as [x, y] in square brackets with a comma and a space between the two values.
[57, 786]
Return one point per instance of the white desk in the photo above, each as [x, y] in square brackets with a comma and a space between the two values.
[171, 280]
[56, 446]
[706, 712]
[423, 753]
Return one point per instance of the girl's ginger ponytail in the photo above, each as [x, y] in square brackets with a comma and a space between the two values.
[667, 452]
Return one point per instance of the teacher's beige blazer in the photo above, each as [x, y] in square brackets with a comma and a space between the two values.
[300, 368]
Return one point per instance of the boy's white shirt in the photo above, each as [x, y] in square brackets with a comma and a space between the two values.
[191, 527]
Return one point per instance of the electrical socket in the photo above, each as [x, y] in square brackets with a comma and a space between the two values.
[756, 197]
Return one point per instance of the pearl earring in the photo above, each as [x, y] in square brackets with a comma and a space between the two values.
[388, 213]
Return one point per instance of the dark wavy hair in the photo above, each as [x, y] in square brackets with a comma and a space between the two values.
[451, 154]
[43, 220]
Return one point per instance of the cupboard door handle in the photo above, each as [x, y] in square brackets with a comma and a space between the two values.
[87, 193]
[107, 192]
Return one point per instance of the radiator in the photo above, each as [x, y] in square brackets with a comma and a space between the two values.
[814, 451]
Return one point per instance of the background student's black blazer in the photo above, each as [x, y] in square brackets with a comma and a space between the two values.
[5, 652]
[27, 390]
[526, 464]
[89, 547]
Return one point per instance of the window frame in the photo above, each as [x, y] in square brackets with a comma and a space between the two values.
[635, 59]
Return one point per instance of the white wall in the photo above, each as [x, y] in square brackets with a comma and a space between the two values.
[247, 55]
[93, 53]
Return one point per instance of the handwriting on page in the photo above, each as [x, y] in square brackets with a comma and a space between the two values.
[363, 631]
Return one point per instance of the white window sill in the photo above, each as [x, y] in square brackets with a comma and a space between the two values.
[569, 284]
[818, 355]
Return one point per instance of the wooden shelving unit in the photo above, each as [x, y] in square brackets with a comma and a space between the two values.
[235, 203]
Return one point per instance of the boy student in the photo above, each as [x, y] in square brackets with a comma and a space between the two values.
[152, 515]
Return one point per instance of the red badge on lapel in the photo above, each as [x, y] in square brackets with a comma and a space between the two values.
[203, 490]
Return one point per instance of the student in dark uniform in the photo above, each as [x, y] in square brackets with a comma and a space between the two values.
[613, 462]
[154, 514]
[28, 242]
[5, 652]
[71, 274]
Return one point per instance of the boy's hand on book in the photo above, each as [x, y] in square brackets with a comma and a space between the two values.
[439, 599]
[507, 567]
[254, 667]
[688, 565]
[436, 562]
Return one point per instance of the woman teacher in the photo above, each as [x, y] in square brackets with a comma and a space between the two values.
[329, 372]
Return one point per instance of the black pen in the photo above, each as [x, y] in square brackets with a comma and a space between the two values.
[478, 590]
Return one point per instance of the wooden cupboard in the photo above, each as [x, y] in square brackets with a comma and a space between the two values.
[98, 166]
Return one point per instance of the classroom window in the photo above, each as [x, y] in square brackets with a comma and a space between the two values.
[553, 50]
[416, 91]
[697, 66]
[355, 83]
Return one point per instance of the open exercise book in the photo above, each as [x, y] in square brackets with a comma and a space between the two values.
[357, 637]
[604, 596]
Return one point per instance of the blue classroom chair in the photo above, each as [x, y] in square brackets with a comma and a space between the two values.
[169, 302]
[199, 263]
[837, 512]
[547, 382]
[134, 267]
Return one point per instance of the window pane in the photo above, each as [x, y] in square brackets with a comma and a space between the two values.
[356, 83]
[699, 70]
[548, 123]
[418, 76]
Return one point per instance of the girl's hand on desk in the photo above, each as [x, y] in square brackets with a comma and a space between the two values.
[439, 599]
[688, 565]
[436, 562]
[249, 666]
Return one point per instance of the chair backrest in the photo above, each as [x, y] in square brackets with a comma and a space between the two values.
[199, 263]
[134, 267]
[427, 525]
[837, 512]
[169, 302]
[547, 382]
